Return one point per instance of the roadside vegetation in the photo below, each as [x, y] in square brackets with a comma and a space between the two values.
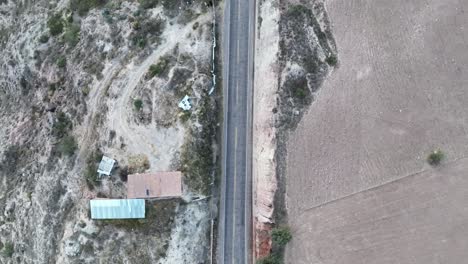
[197, 155]
[271, 259]
[280, 237]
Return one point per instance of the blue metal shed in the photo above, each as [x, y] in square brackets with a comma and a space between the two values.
[117, 208]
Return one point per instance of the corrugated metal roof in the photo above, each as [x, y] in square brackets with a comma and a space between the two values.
[117, 208]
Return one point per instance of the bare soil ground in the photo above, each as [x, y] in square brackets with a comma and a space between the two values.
[399, 93]
[418, 219]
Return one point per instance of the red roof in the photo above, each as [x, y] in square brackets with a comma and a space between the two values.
[155, 185]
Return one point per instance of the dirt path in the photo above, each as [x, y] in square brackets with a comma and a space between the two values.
[154, 142]
[96, 102]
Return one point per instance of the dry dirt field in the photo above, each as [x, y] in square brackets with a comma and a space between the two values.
[358, 187]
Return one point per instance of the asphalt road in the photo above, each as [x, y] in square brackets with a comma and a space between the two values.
[234, 238]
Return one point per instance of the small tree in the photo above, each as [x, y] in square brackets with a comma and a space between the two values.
[44, 38]
[138, 103]
[55, 24]
[281, 236]
[332, 60]
[435, 157]
[8, 250]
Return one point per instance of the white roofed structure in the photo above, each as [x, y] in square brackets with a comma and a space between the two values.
[105, 166]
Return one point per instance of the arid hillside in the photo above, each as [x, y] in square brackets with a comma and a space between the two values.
[82, 79]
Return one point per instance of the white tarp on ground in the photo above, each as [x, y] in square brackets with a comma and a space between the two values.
[185, 103]
[106, 165]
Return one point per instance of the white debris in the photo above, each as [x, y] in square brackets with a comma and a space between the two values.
[185, 103]
[106, 165]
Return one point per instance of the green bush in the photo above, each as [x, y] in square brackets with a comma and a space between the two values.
[332, 60]
[90, 173]
[300, 92]
[62, 62]
[148, 3]
[281, 236]
[157, 69]
[55, 24]
[83, 6]
[62, 125]
[272, 259]
[44, 38]
[67, 145]
[138, 103]
[8, 250]
[435, 157]
[72, 35]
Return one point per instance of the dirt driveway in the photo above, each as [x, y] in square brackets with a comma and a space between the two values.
[399, 93]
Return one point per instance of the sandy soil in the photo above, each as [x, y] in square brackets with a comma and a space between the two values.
[266, 86]
[398, 94]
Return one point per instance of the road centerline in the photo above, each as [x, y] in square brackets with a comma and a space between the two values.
[234, 198]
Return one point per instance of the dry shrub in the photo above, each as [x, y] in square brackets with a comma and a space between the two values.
[138, 163]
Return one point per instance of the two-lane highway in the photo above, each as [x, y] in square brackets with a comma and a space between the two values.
[234, 237]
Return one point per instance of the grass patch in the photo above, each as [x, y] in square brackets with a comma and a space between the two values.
[159, 216]
[272, 259]
[185, 116]
[90, 173]
[12, 159]
[62, 125]
[85, 90]
[138, 164]
[8, 249]
[158, 69]
[146, 4]
[146, 29]
[84, 6]
[435, 158]
[55, 24]
[62, 62]
[138, 104]
[72, 35]
[281, 236]
[197, 155]
[67, 145]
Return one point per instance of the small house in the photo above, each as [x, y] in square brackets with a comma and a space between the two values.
[185, 103]
[155, 185]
